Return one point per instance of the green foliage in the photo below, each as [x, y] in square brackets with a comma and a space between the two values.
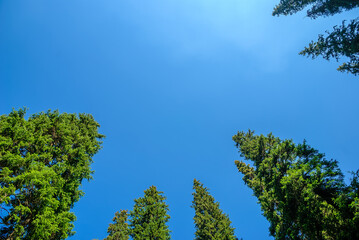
[118, 230]
[316, 9]
[302, 194]
[43, 161]
[343, 41]
[149, 217]
[210, 222]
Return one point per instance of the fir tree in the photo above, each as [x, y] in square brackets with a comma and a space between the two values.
[149, 217]
[210, 222]
[43, 161]
[301, 193]
[118, 230]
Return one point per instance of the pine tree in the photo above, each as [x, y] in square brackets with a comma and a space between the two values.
[149, 217]
[210, 222]
[301, 193]
[43, 160]
[118, 230]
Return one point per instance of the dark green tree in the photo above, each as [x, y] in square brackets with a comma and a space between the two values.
[210, 222]
[43, 161]
[342, 41]
[149, 217]
[118, 230]
[301, 193]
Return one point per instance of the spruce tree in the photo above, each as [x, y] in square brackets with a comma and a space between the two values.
[301, 193]
[210, 222]
[43, 161]
[118, 230]
[149, 217]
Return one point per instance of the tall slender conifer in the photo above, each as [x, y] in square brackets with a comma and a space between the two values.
[118, 230]
[210, 222]
[149, 217]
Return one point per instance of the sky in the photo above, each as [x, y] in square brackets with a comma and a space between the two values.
[170, 83]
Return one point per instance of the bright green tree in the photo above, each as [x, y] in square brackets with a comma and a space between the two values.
[342, 41]
[210, 222]
[301, 193]
[149, 217]
[118, 230]
[43, 161]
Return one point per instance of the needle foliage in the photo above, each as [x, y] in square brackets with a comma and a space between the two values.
[343, 41]
[43, 161]
[118, 230]
[148, 219]
[301, 193]
[210, 222]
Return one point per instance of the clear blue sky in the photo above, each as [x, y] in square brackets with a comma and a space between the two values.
[170, 82]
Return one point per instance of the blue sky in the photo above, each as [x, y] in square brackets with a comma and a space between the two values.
[171, 82]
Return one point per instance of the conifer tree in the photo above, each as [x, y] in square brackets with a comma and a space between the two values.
[43, 161]
[118, 230]
[343, 41]
[210, 222]
[149, 217]
[301, 193]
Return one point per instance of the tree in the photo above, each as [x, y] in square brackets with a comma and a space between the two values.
[342, 41]
[301, 193]
[210, 222]
[149, 217]
[118, 230]
[43, 161]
